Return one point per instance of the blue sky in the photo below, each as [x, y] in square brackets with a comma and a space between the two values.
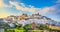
[39, 3]
[49, 8]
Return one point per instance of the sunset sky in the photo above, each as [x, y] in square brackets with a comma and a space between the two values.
[49, 8]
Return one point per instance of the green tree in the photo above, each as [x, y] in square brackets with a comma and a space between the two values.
[27, 27]
[42, 26]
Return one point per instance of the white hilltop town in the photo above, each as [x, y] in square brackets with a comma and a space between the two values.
[34, 19]
[25, 19]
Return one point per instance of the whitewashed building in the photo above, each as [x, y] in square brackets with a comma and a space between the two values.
[1, 30]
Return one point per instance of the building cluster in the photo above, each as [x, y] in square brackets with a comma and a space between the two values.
[25, 19]
[13, 18]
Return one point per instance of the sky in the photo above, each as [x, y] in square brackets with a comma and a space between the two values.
[49, 8]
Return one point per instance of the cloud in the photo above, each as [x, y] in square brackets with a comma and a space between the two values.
[22, 7]
[58, 1]
[2, 4]
[30, 8]
[45, 10]
[53, 10]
